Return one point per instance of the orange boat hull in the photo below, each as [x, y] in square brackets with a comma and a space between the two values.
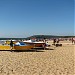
[23, 47]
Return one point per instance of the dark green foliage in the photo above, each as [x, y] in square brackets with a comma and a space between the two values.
[38, 37]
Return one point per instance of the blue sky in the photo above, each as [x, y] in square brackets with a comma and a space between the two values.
[23, 18]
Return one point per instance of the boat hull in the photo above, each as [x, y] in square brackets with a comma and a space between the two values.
[23, 47]
[2, 47]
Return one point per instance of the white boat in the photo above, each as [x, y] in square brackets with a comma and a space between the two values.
[35, 43]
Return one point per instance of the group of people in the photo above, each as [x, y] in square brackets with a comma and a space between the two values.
[57, 41]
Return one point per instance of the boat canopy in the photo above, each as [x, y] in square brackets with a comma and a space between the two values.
[20, 44]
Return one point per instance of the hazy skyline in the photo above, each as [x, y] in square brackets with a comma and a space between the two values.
[23, 18]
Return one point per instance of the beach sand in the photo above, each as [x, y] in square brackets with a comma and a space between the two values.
[55, 61]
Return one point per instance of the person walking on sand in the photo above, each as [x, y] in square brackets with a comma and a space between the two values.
[11, 44]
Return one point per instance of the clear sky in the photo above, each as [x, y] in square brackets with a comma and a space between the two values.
[23, 18]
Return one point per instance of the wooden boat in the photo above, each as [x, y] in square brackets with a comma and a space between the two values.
[22, 46]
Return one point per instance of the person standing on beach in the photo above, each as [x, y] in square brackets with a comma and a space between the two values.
[72, 40]
[58, 40]
[54, 41]
[11, 44]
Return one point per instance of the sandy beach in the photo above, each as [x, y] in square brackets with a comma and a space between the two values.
[55, 61]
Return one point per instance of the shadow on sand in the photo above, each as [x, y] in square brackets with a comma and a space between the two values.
[32, 50]
[49, 49]
[28, 51]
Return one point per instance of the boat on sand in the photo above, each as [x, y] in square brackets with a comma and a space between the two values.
[35, 43]
[22, 46]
